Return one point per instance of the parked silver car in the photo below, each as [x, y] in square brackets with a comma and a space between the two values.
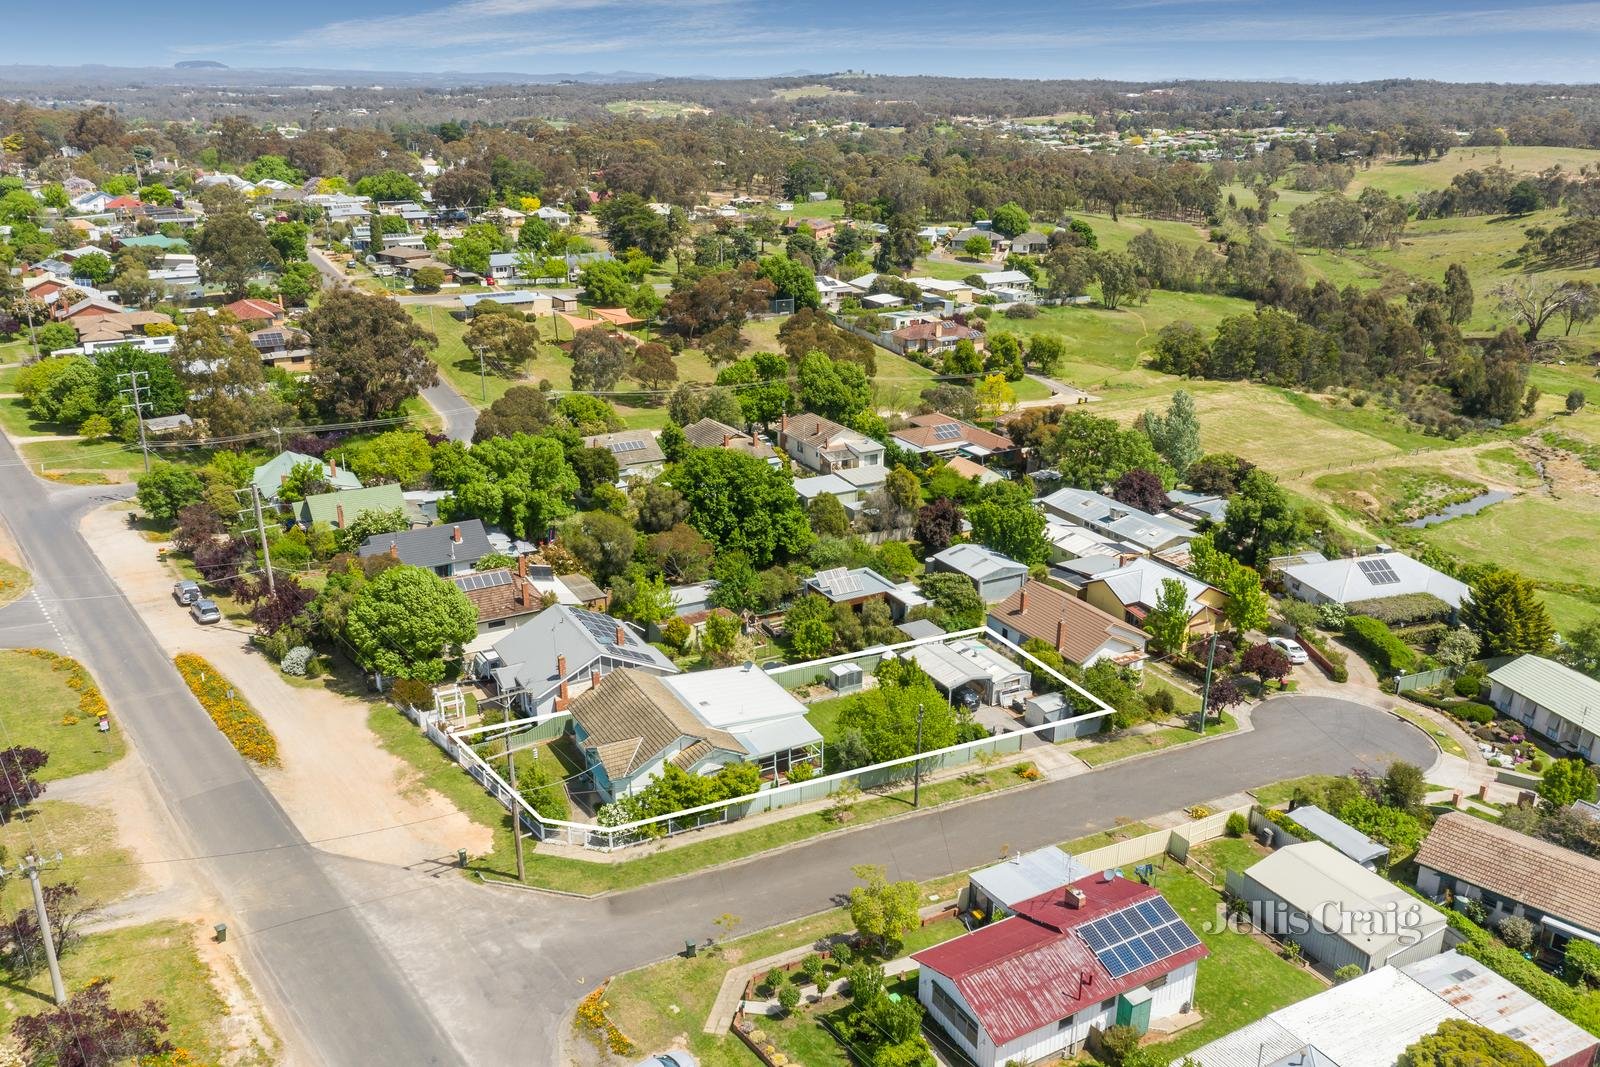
[1292, 649]
[205, 611]
[185, 591]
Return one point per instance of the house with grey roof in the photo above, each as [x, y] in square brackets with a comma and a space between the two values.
[856, 586]
[563, 651]
[1552, 700]
[1377, 576]
[1112, 518]
[994, 889]
[444, 550]
[637, 452]
[996, 576]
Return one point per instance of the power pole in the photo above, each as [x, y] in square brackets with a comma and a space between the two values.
[1205, 695]
[261, 529]
[516, 808]
[30, 867]
[138, 405]
[916, 768]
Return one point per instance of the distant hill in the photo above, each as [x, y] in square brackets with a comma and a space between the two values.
[199, 64]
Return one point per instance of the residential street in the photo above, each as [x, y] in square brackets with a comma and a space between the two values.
[373, 962]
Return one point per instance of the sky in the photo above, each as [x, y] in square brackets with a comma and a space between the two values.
[1326, 40]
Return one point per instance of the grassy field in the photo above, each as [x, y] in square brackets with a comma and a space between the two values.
[91, 461]
[85, 836]
[40, 719]
[655, 109]
[1284, 791]
[155, 961]
[1395, 494]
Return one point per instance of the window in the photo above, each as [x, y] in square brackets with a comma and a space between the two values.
[1107, 1005]
[955, 1015]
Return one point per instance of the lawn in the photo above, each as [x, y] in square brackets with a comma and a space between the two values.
[156, 961]
[1184, 700]
[18, 421]
[1241, 981]
[1107, 837]
[1555, 539]
[96, 461]
[1270, 796]
[1230, 854]
[1390, 495]
[1436, 733]
[14, 581]
[40, 718]
[85, 836]
[1103, 752]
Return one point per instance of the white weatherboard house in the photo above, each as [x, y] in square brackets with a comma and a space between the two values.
[1097, 952]
[1551, 699]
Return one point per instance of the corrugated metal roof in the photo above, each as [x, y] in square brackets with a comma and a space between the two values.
[1320, 882]
[1034, 969]
[1028, 875]
[1555, 687]
[1490, 1000]
[1342, 836]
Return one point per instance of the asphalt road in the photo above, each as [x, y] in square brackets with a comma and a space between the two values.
[311, 946]
[460, 417]
[378, 964]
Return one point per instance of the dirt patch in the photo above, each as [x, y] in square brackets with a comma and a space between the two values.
[245, 1030]
[1563, 471]
[336, 782]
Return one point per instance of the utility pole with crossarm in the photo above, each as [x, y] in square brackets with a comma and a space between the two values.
[138, 404]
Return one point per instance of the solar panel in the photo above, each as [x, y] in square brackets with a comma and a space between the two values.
[485, 580]
[834, 581]
[1137, 936]
[541, 574]
[627, 446]
[1378, 571]
[947, 431]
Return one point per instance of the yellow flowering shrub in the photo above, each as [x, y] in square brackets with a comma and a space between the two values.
[592, 1014]
[91, 704]
[241, 724]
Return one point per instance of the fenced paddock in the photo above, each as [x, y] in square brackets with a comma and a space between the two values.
[462, 746]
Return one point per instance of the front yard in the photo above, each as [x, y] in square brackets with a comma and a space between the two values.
[1099, 753]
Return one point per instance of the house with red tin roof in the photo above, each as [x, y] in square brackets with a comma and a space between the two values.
[1098, 952]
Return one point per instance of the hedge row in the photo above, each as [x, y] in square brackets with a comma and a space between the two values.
[1465, 710]
[238, 721]
[1407, 609]
[1389, 654]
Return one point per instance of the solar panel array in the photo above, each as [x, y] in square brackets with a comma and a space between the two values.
[947, 431]
[1135, 937]
[603, 628]
[541, 574]
[839, 581]
[627, 446]
[486, 580]
[1378, 571]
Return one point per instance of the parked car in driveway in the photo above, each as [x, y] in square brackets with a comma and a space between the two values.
[1292, 649]
[185, 591]
[205, 611]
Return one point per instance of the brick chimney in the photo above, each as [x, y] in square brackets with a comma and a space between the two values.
[727, 439]
[622, 635]
[594, 677]
[561, 666]
[561, 696]
[338, 510]
[1022, 601]
[394, 550]
[1061, 633]
[455, 534]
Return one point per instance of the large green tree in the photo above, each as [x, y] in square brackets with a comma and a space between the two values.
[408, 622]
[227, 384]
[740, 502]
[1507, 614]
[1261, 521]
[883, 912]
[505, 343]
[1168, 622]
[1176, 434]
[1461, 1043]
[600, 358]
[791, 280]
[832, 388]
[1092, 452]
[232, 249]
[371, 355]
[1004, 518]
[523, 484]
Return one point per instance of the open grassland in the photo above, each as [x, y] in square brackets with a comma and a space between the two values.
[1406, 178]
[656, 109]
[44, 712]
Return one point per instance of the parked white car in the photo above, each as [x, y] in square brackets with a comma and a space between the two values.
[1292, 649]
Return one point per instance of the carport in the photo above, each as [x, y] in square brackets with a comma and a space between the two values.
[974, 666]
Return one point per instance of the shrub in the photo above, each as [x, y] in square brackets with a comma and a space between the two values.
[772, 980]
[1469, 685]
[1159, 701]
[1475, 912]
[1390, 655]
[1473, 712]
[295, 661]
[843, 955]
[238, 721]
[1582, 962]
[812, 967]
[1117, 1044]
[788, 999]
[410, 693]
[1347, 972]
[1333, 616]
[1298, 615]
[1516, 932]
[1238, 825]
[1021, 311]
